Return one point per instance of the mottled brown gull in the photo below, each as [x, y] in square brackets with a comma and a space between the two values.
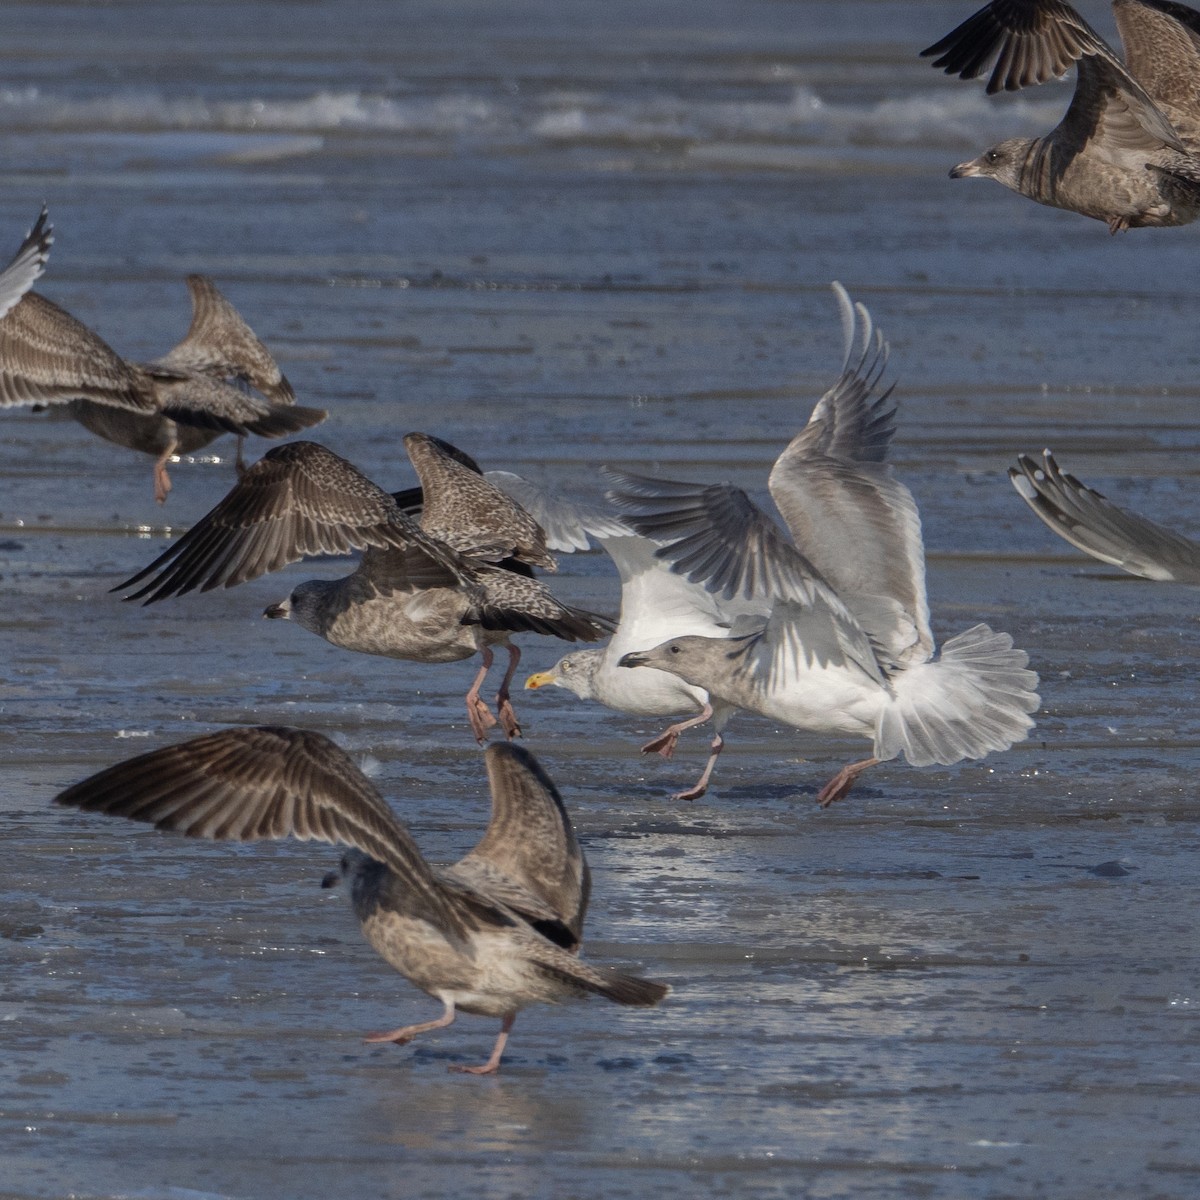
[176, 404]
[453, 585]
[1083, 517]
[847, 647]
[1126, 151]
[497, 931]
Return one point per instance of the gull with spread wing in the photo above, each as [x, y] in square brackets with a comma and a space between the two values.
[176, 404]
[497, 931]
[1126, 152]
[455, 584]
[847, 647]
[1083, 517]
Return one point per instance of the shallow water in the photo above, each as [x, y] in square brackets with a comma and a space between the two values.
[564, 235]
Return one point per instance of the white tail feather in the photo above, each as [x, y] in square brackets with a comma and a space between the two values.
[974, 698]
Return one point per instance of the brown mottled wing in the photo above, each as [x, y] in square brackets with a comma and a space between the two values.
[255, 782]
[48, 357]
[529, 843]
[27, 264]
[464, 510]
[1030, 42]
[1162, 50]
[208, 403]
[298, 500]
[1083, 517]
[516, 603]
[220, 343]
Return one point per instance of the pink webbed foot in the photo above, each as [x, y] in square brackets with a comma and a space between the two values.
[664, 744]
[493, 1063]
[480, 717]
[839, 786]
[508, 719]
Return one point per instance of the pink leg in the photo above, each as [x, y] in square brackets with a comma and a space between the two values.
[478, 713]
[665, 742]
[493, 1064]
[407, 1032]
[504, 708]
[843, 781]
[701, 785]
[162, 481]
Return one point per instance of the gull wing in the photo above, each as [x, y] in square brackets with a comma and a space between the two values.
[208, 403]
[1162, 50]
[1083, 517]
[529, 859]
[27, 264]
[569, 524]
[298, 500]
[220, 343]
[255, 782]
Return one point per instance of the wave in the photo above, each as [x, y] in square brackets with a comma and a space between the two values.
[942, 117]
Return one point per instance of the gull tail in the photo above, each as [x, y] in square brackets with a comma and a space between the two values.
[612, 985]
[974, 698]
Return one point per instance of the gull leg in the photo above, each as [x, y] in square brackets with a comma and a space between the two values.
[493, 1064]
[406, 1033]
[504, 708]
[665, 742]
[162, 481]
[478, 712]
[843, 781]
[239, 463]
[701, 785]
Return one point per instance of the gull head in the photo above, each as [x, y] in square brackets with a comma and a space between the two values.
[576, 672]
[692, 658]
[304, 606]
[1005, 163]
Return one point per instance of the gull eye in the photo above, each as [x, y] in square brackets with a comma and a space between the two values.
[675, 649]
[993, 156]
[565, 665]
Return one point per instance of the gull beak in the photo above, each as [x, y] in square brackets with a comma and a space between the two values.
[278, 612]
[965, 170]
[633, 660]
[539, 679]
[331, 879]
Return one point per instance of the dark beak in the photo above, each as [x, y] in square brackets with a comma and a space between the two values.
[956, 172]
[331, 878]
[632, 660]
[275, 611]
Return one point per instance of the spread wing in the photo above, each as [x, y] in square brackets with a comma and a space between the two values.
[1083, 517]
[299, 499]
[1162, 51]
[27, 264]
[569, 524]
[255, 782]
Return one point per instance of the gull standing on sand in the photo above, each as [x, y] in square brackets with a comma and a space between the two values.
[1083, 517]
[847, 647]
[174, 405]
[451, 586]
[497, 931]
[1126, 151]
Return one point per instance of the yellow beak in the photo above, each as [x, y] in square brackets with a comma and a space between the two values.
[539, 679]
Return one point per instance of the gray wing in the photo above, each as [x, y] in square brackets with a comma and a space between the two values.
[857, 525]
[209, 403]
[1162, 50]
[529, 858]
[464, 510]
[717, 536]
[1087, 520]
[298, 500]
[27, 264]
[220, 343]
[256, 782]
[569, 524]
[48, 357]
[1030, 42]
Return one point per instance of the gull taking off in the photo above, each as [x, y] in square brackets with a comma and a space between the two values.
[847, 646]
[495, 932]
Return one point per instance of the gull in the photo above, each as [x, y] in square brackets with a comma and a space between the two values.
[1126, 151]
[453, 585]
[847, 647]
[497, 931]
[175, 404]
[1098, 527]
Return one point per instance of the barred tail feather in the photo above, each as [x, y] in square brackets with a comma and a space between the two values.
[974, 698]
[612, 985]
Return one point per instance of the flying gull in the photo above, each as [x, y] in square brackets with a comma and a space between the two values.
[453, 585]
[1098, 527]
[174, 405]
[1126, 152]
[497, 931]
[847, 647]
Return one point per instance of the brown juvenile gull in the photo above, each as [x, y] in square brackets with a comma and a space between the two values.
[1098, 527]
[454, 585]
[847, 647]
[1126, 151]
[27, 264]
[497, 931]
[174, 405]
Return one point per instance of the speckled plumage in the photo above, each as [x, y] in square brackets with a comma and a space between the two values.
[495, 932]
